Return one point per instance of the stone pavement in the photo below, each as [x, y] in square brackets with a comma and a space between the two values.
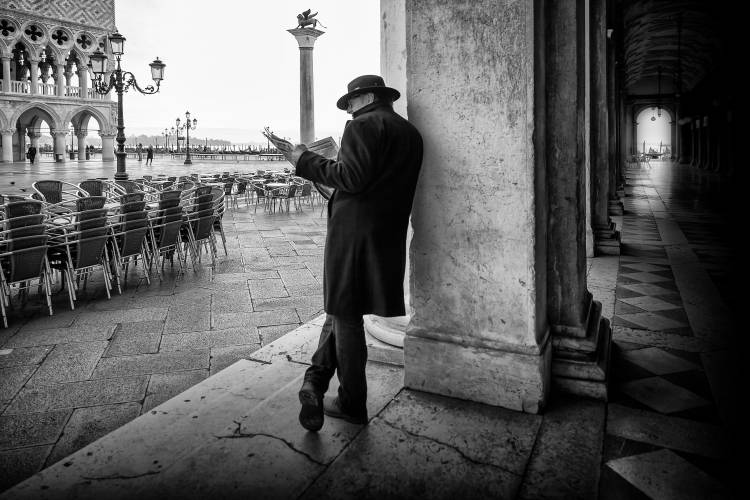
[668, 431]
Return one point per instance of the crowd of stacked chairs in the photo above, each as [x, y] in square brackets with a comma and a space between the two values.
[62, 232]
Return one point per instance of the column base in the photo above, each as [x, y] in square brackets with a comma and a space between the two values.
[514, 380]
[388, 330]
[607, 240]
[580, 365]
[616, 207]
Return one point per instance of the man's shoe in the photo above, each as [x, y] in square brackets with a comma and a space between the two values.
[311, 414]
[332, 408]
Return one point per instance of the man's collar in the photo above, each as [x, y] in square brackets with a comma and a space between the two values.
[369, 107]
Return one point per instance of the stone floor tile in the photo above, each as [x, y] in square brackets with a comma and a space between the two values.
[21, 463]
[484, 434]
[13, 379]
[211, 338]
[129, 343]
[649, 289]
[658, 361]
[305, 302]
[31, 429]
[23, 356]
[373, 467]
[651, 304]
[121, 316]
[665, 475]
[141, 364]
[78, 394]
[164, 386]
[231, 302]
[69, 363]
[190, 317]
[662, 395]
[81, 333]
[270, 333]
[267, 288]
[222, 357]
[670, 432]
[652, 321]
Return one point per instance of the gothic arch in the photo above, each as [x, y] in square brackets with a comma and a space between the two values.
[47, 112]
[88, 111]
[3, 121]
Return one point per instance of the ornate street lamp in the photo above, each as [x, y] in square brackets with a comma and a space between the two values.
[187, 126]
[121, 81]
[166, 139]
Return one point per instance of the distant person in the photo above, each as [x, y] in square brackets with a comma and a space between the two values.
[139, 151]
[150, 155]
[31, 154]
[374, 179]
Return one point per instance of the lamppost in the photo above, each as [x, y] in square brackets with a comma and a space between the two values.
[173, 132]
[188, 125]
[121, 81]
[166, 139]
[72, 134]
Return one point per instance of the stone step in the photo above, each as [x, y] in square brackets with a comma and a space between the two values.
[235, 433]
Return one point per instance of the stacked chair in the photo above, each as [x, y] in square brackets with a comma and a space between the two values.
[164, 231]
[197, 230]
[129, 237]
[23, 252]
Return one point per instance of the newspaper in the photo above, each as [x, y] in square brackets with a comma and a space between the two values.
[324, 147]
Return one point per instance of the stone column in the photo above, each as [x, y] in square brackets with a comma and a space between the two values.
[83, 81]
[81, 135]
[606, 238]
[306, 39]
[34, 75]
[6, 73]
[703, 142]
[60, 80]
[615, 205]
[7, 135]
[478, 329]
[59, 137]
[581, 336]
[393, 71]
[627, 133]
[696, 146]
[108, 146]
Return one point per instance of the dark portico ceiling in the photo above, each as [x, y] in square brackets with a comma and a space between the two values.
[679, 40]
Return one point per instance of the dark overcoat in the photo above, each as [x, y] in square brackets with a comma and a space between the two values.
[374, 178]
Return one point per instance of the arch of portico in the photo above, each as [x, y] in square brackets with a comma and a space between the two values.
[79, 117]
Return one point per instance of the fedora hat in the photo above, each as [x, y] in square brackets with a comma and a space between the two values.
[364, 84]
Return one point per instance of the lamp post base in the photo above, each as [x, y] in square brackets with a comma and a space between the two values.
[188, 161]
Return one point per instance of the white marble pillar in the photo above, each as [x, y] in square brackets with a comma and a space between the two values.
[34, 76]
[83, 81]
[7, 151]
[306, 40]
[108, 146]
[59, 137]
[479, 328]
[6, 73]
[60, 80]
[81, 135]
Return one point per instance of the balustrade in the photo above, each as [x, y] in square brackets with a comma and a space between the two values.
[71, 91]
[50, 89]
[18, 87]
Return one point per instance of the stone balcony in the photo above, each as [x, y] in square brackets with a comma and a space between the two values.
[22, 88]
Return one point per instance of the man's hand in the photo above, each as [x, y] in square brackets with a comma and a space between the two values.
[297, 152]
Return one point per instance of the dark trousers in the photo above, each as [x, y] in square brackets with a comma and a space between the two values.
[342, 350]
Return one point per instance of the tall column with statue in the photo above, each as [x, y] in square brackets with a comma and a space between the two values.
[306, 37]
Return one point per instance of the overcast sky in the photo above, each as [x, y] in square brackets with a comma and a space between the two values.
[233, 65]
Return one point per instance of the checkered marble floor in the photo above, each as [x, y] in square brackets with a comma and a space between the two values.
[665, 437]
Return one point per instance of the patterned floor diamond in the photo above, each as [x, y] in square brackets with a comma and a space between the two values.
[651, 321]
[658, 361]
[650, 304]
[662, 395]
[664, 475]
[648, 289]
[645, 267]
[645, 277]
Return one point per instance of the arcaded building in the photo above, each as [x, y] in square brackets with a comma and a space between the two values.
[44, 48]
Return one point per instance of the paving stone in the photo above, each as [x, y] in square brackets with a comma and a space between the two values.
[61, 319]
[31, 429]
[374, 466]
[121, 316]
[270, 333]
[69, 363]
[191, 317]
[222, 321]
[23, 356]
[79, 333]
[162, 362]
[78, 394]
[305, 302]
[89, 424]
[571, 434]
[222, 357]
[211, 338]
[129, 343]
[670, 432]
[263, 289]
[12, 380]
[231, 302]
[21, 463]
[164, 386]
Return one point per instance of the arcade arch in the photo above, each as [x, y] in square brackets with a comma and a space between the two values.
[654, 131]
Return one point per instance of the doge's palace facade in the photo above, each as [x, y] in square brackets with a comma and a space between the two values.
[44, 48]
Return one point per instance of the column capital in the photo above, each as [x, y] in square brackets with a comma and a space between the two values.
[58, 133]
[5, 58]
[82, 133]
[7, 131]
[306, 36]
[104, 135]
